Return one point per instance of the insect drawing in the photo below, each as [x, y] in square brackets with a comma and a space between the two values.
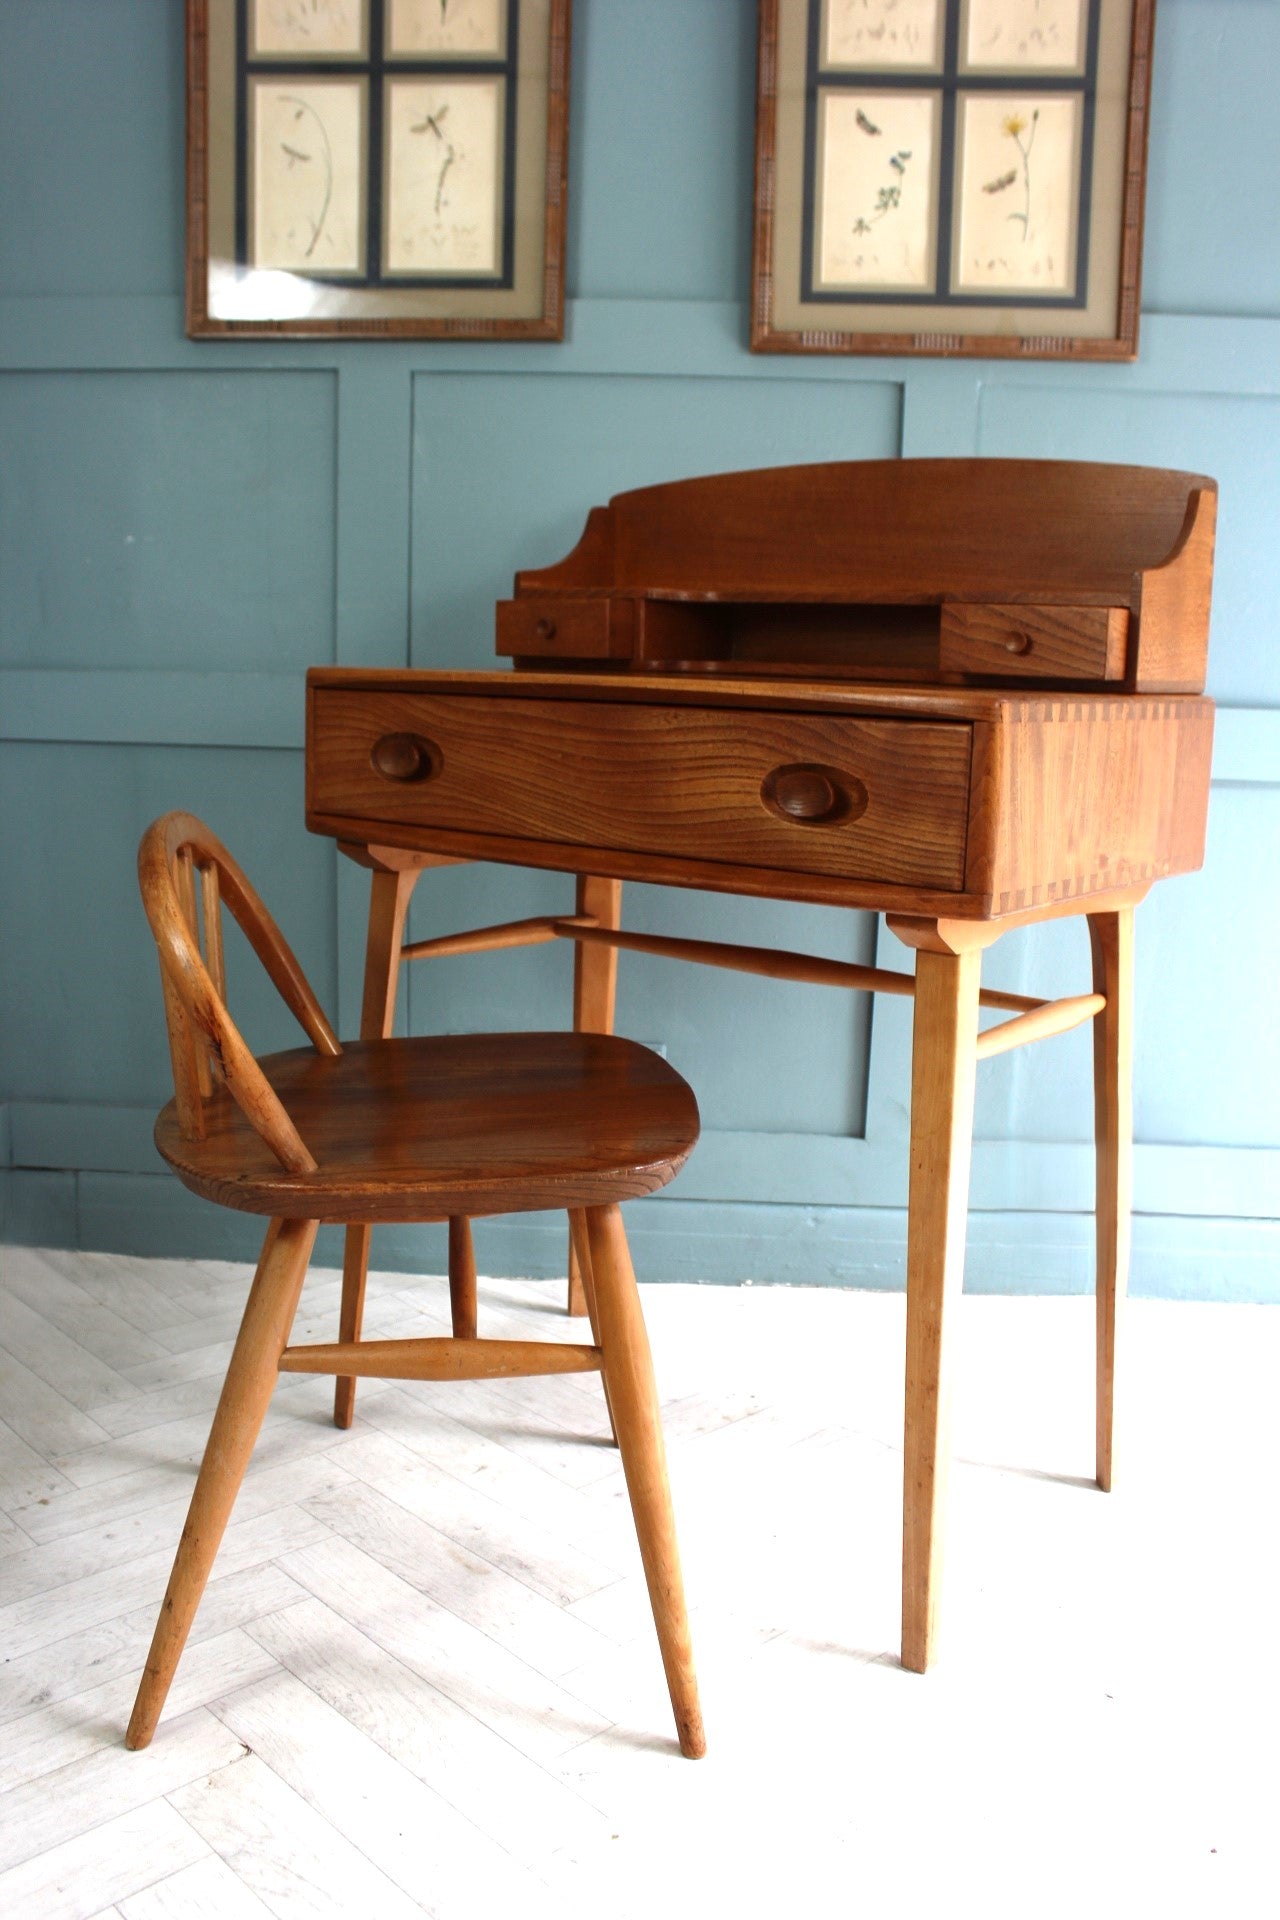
[430, 123]
[295, 156]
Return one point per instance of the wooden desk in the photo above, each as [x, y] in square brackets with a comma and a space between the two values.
[963, 693]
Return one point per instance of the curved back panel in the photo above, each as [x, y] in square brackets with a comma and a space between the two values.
[205, 1045]
[903, 529]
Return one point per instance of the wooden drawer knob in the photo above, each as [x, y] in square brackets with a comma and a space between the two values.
[545, 629]
[813, 795]
[1018, 643]
[405, 756]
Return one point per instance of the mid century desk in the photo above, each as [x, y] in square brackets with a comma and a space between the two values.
[965, 693]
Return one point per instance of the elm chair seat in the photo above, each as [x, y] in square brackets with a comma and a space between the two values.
[431, 1129]
[397, 1130]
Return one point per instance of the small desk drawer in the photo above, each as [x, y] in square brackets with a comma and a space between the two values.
[573, 629]
[877, 799]
[1034, 642]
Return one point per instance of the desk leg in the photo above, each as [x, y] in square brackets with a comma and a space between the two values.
[1111, 938]
[943, 1061]
[388, 904]
[595, 980]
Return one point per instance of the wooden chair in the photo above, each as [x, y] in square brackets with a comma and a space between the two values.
[400, 1130]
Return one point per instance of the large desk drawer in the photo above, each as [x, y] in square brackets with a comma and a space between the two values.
[876, 799]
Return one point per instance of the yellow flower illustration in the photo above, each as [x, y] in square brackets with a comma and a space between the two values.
[1015, 124]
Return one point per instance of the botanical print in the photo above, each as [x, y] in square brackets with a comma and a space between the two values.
[307, 160]
[446, 27]
[315, 27]
[444, 174]
[874, 189]
[882, 33]
[1026, 33]
[1018, 193]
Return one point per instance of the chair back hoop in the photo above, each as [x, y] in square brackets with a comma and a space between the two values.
[205, 1044]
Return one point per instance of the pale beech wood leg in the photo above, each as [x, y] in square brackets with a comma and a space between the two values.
[595, 985]
[633, 1398]
[389, 899]
[581, 1247]
[246, 1392]
[1111, 940]
[942, 1082]
[462, 1278]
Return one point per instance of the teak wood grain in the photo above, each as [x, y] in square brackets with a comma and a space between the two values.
[1061, 795]
[943, 1062]
[1055, 536]
[637, 779]
[966, 693]
[1111, 941]
[1012, 641]
[386, 1130]
[458, 1124]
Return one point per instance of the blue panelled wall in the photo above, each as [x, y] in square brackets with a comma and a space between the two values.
[184, 527]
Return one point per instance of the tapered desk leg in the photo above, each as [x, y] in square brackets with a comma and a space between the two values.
[1111, 938]
[388, 904]
[942, 1081]
[595, 982]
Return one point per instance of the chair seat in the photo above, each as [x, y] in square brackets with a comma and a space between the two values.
[463, 1124]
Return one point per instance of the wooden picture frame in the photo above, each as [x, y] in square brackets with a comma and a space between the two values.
[951, 177]
[377, 168]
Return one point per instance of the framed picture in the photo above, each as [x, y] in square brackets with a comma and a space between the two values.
[951, 176]
[377, 167]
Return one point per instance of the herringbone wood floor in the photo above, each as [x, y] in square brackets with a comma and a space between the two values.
[424, 1678]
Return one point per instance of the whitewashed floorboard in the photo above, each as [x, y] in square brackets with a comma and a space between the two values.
[545, 1636]
[49, 1811]
[427, 1428]
[377, 1804]
[209, 1890]
[473, 1669]
[71, 1881]
[26, 1474]
[537, 1555]
[469, 1765]
[31, 1276]
[54, 1735]
[433, 1633]
[143, 1292]
[42, 1417]
[39, 1621]
[287, 1854]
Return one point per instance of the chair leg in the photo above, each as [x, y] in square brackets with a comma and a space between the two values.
[263, 1336]
[580, 1248]
[633, 1399]
[576, 1301]
[462, 1278]
[355, 1272]
[1111, 939]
